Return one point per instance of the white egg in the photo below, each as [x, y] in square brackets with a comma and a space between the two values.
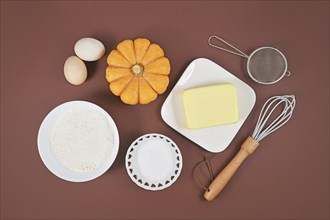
[89, 49]
[75, 70]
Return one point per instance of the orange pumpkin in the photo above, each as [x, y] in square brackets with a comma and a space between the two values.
[137, 71]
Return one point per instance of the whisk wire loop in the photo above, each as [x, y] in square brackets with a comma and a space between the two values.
[261, 120]
[267, 110]
[280, 121]
[275, 122]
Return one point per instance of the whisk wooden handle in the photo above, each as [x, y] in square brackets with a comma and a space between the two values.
[220, 182]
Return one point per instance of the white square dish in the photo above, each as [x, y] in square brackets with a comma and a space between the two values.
[202, 72]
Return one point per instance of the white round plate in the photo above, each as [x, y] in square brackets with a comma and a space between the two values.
[48, 158]
[202, 72]
[153, 162]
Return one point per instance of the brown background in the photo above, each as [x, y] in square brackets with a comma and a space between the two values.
[287, 178]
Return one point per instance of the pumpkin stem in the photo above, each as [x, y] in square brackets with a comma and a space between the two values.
[137, 69]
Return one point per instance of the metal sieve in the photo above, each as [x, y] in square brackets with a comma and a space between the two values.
[265, 65]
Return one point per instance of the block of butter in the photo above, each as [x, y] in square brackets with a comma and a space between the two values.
[211, 105]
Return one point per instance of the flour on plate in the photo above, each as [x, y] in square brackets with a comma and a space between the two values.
[82, 139]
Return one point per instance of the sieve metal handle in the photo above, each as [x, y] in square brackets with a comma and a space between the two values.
[236, 52]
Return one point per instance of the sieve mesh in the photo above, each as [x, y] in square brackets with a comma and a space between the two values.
[266, 65]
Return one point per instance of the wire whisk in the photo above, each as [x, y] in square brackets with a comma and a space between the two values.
[270, 105]
[261, 131]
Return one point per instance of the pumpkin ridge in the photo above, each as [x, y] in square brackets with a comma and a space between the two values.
[149, 84]
[122, 68]
[125, 57]
[125, 87]
[118, 67]
[159, 74]
[123, 54]
[136, 58]
[145, 54]
[154, 87]
[138, 88]
[132, 86]
[150, 99]
[143, 61]
[159, 66]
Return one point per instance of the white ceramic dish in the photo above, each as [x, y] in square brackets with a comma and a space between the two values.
[50, 161]
[153, 162]
[201, 72]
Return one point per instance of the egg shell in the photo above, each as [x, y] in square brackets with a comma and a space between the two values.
[75, 70]
[89, 49]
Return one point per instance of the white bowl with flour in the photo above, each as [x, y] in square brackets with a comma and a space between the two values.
[78, 141]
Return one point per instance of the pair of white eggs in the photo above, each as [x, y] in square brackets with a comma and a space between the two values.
[86, 49]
